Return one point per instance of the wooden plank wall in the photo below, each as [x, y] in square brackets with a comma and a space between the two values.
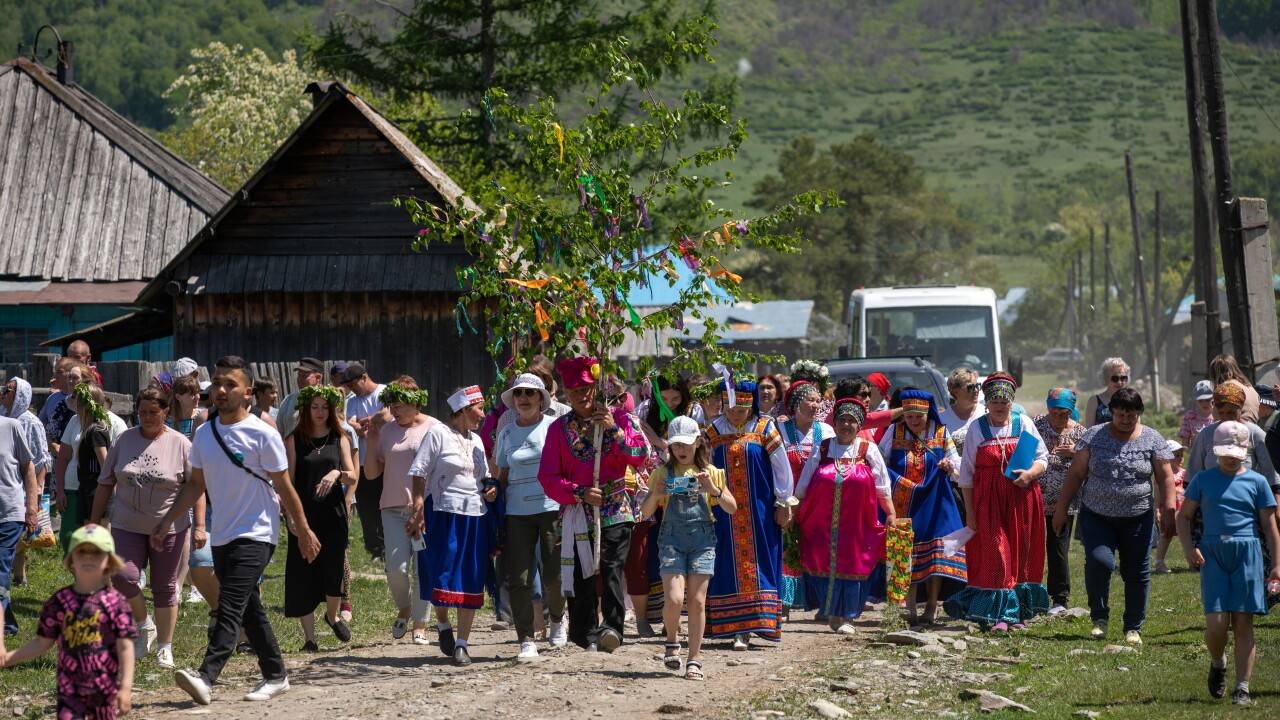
[397, 333]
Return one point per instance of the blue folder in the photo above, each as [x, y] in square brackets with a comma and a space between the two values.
[1023, 455]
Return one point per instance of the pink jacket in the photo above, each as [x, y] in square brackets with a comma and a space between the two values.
[567, 462]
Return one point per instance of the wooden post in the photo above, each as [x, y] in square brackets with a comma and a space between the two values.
[1106, 267]
[1202, 209]
[1139, 283]
[1251, 221]
[1093, 279]
[1157, 304]
[1228, 240]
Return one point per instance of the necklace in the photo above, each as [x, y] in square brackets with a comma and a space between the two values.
[315, 449]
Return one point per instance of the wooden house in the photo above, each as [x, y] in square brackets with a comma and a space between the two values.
[91, 208]
[312, 258]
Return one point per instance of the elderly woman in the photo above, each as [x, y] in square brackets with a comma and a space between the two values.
[966, 404]
[1115, 373]
[1006, 514]
[1115, 462]
[142, 475]
[531, 517]
[1060, 429]
[921, 460]
[770, 392]
[392, 449]
[802, 434]
[841, 487]
[743, 597]
[452, 467]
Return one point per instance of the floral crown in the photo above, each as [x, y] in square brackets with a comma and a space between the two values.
[394, 394]
[331, 395]
[813, 371]
[84, 400]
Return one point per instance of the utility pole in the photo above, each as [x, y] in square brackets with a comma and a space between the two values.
[1106, 267]
[1232, 253]
[1093, 279]
[1139, 282]
[1157, 302]
[1206, 266]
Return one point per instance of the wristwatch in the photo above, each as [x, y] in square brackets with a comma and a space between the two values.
[788, 503]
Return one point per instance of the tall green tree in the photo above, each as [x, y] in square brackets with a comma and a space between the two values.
[892, 229]
[458, 51]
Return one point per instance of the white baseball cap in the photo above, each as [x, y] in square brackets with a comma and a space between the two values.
[1231, 439]
[684, 430]
[1204, 390]
[526, 380]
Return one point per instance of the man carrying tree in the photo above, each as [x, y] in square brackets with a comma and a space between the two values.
[568, 474]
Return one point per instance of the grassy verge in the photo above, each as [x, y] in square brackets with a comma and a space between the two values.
[1165, 679]
[29, 688]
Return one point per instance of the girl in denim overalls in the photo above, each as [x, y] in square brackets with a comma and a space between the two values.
[686, 487]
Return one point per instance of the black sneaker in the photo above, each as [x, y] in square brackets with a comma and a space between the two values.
[310, 646]
[1218, 681]
[245, 648]
[444, 638]
[340, 630]
[461, 656]
[1241, 697]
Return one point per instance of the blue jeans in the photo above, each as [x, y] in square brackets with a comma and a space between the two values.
[1105, 538]
[10, 533]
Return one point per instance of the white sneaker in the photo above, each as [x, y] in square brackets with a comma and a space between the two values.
[194, 596]
[1057, 610]
[420, 637]
[399, 628]
[1098, 632]
[528, 651]
[1132, 637]
[268, 689]
[164, 658]
[559, 634]
[846, 629]
[741, 642]
[193, 685]
[145, 644]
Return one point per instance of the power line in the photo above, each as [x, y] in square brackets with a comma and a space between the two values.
[1243, 85]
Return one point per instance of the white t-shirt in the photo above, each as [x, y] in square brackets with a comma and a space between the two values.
[454, 467]
[246, 506]
[71, 438]
[363, 407]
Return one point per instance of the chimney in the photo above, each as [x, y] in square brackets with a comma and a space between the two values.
[65, 72]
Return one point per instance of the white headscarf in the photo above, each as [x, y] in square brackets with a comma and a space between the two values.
[32, 429]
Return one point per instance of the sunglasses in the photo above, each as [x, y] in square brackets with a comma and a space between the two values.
[525, 392]
[1119, 378]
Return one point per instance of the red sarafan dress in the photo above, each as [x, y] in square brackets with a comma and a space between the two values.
[1006, 555]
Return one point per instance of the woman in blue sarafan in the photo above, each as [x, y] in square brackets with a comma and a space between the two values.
[921, 458]
[743, 596]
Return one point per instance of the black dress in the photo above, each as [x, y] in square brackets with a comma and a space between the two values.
[307, 584]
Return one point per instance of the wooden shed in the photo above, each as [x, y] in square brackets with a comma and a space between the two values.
[312, 258]
[91, 208]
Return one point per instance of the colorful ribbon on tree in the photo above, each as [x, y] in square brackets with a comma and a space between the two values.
[664, 412]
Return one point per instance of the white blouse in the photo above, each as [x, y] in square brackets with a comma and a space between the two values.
[974, 439]
[454, 467]
[837, 451]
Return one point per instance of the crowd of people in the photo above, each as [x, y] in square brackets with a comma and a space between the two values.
[734, 502]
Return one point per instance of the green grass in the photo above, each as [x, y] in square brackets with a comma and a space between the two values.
[1165, 679]
[32, 685]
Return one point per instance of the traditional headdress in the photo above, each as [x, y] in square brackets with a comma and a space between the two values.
[332, 395]
[919, 401]
[812, 371]
[576, 372]
[465, 397]
[797, 392]
[1229, 393]
[397, 394]
[851, 406]
[999, 386]
[1063, 399]
[84, 401]
[744, 393]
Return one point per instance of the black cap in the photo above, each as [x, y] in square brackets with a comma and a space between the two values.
[310, 364]
[354, 371]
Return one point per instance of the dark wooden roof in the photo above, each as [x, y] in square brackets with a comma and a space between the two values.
[320, 215]
[85, 194]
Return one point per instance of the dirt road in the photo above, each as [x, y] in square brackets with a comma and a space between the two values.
[393, 680]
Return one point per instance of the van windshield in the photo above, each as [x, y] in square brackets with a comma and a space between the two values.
[949, 337]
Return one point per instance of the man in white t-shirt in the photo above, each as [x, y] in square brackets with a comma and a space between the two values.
[362, 405]
[240, 461]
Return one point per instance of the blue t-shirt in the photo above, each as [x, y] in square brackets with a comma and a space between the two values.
[519, 450]
[1230, 505]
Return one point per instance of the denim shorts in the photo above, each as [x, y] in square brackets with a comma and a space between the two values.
[687, 548]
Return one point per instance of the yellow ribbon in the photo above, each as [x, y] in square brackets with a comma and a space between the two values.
[722, 272]
[542, 320]
[559, 131]
[533, 284]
